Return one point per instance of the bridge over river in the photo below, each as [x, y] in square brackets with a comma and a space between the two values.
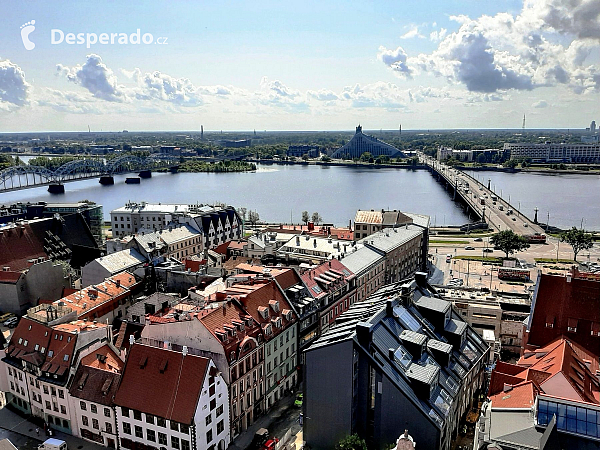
[25, 176]
[478, 199]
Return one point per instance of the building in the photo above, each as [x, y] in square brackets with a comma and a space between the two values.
[368, 266]
[363, 143]
[298, 151]
[28, 271]
[150, 305]
[549, 399]
[403, 359]
[40, 360]
[368, 222]
[217, 224]
[98, 270]
[171, 399]
[403, 248]
[480, 155]
[555, 153]
[564, 306]
[315, 250]
[91, 393]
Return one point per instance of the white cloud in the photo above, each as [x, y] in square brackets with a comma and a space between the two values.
[547, 44]
[412, 33]
[96, 77]
[376, 95]
[160, 86]
[14, 90]
[540, 104]
[323, 95]
[395, 60]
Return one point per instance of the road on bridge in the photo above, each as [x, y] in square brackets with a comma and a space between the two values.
[497, 218]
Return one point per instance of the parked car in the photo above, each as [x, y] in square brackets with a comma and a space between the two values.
[53, 444]
[5, 316]
[525, 224]
[488, 250]
[478, 240]
[270, 444]
[260, 438]
[468, 247]
[298, 401]
[12, 322]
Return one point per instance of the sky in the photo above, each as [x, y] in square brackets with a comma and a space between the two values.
[298, 65]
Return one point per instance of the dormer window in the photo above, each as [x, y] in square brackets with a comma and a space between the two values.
[249, 322]
[268, 330]
[264, 312]
[275, 305]
[277, 322]
[287, 314]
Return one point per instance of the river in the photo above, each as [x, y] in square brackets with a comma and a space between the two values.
[279, 193]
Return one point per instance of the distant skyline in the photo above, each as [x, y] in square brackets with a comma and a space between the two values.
[319, 65]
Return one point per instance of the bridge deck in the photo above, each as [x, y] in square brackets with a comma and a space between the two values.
[497, 219]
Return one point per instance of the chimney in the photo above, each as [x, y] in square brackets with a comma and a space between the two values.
[118, 283]
[363, 333]
[421, 279]
[131, 339]
[184, 350]
[389, 308]
[569, 276]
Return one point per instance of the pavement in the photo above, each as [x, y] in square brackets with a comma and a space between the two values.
[21, 433]
[282, 417]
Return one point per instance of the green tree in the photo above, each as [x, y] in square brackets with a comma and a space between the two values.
[253, 218]
[305, 157]
[353, 442]
[511, 163]
[366, 156]
[305, 217]
[509, 242]
[577, 239]
[316, 218]
[325, 158]
[481, 159]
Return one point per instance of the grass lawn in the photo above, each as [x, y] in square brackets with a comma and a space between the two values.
[552, 260]
[490, 259]
[443, 241]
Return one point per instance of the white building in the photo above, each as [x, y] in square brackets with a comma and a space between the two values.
[98, 270]
[171, 399]
[555, 153]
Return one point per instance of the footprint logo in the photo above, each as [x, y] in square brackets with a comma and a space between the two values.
[26, 30]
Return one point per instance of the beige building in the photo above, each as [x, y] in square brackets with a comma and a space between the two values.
[368, 222]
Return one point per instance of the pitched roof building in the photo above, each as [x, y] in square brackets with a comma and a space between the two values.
[362, 143]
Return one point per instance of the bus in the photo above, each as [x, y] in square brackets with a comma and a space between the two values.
[515, 274]
[536, 238]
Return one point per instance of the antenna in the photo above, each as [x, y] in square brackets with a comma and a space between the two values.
[89, 131]
[523, 121]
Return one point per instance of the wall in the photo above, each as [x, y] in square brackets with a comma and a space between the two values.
[93, 273]
[220, 440]
[279, 377]
[327, 405]
[46, 281]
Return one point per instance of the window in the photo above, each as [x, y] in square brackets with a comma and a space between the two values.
[124, 411]
[149, 418]
[81, 403]
[219, 410]
[85, 422]
[95, 424]
[108, 427]
[162, 438]
[137, 415]
[93, 408]
[48, 405]
[208, 419]
[126, 428]
[175, 442]
[213, 403]
[63, 410]
[61, 393]
[150, 435]
[106, 412]
[161, 422]
[46, 390]
[209, 436]
[174, 425]
[185, 429]
[139, 431]
[185, 445]
[220, 427]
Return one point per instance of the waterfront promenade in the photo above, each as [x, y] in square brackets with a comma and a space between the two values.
[494, 212]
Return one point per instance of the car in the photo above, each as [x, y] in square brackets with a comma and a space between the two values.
[468, 247]
[12, 322]
[514, 219]
[298, 401]
[5, 316]
[270, 444]
[488, 250]
[525, 224]
[478, 240]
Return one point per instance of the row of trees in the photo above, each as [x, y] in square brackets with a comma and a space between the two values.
[510, 242]
[315, 218]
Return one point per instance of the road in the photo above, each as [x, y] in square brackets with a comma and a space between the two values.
[490, 211]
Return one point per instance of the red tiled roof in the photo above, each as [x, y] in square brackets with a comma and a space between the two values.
[17, 246]
[521, 395]
[327, 276]
[562, 301]
[10, 277]
[34, 333]
[104, 358]
[162, 382]
[95, 385]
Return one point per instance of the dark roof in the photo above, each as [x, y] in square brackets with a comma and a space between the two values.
[162, 382]
[95, 385]
[19, 245]
[434, 304]
[455, 326]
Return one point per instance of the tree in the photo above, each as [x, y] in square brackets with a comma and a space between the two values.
[242, 212]
[577, 239]
[305, 157]
[316, 218]
[253, 218]
[511, 163]
[509, 242]
[366, 156]
[305, 217]
[481, 159]
[353, 442]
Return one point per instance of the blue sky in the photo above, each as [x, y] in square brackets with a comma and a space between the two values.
[302, 65]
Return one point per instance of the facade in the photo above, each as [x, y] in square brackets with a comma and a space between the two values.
[311, 249]
[403, 359]
[91, 212]
[363, 143]
[368, 222]
[555, 153]
[403, 248]
[171, 399]
[217, 224]
[368, 266]
[444, 153]
[91, 394]
[38, 362]
[298, 151]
